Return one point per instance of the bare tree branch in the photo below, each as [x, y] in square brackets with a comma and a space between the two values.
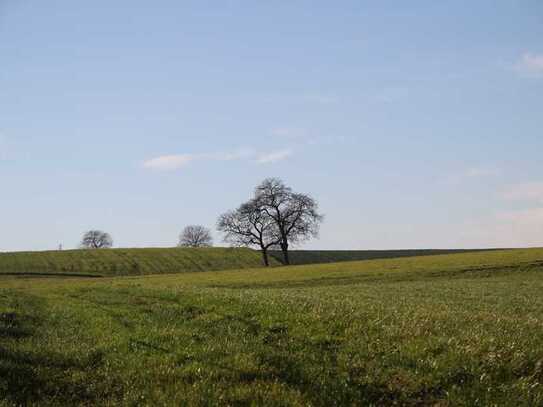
[295, 215]
[249, 226]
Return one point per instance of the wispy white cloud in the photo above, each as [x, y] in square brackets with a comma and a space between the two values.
[174, 162]
[227, 156]
[473, 173]
[177, 161]
[169, 162]
[476, 172]
[273, 157]
[531, 64]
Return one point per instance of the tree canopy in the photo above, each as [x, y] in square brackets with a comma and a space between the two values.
[195, 236]
[96, 239]
[275, 217]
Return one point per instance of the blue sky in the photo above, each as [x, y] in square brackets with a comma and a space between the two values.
[415, 124]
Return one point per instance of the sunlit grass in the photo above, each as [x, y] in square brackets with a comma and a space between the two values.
[448, 330]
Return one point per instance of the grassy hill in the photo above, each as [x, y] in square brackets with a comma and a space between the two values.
[123, 262]
[462, 329]
[333, 256]
[118, 262]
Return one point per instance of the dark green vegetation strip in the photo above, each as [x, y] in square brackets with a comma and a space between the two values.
[441, 330]
[122, 262]
[298, 257]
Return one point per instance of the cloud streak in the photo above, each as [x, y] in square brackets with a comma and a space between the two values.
[477, 172]
[169, 162]
[474, 173]
[531, 64]
[173, 162]
[273, 157]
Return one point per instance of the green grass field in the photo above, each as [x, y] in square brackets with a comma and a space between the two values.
[299, 257]
[463, 329]
[120, 262]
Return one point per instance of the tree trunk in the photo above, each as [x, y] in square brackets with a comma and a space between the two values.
[265, 257]
[284, 248]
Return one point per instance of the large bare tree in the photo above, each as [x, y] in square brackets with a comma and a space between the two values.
[249, 225]
[195, 236]
[96, 239]
[295, 216]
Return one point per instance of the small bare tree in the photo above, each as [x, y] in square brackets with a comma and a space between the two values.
[195, 236]
[249, 226]
[295, 215]
[96, 239]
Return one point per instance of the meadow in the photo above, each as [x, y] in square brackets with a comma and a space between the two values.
[460, 329]
[122, 262]
[298, 257]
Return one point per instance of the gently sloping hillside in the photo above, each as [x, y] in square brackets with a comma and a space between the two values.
[123, 262]
[299, 257]
[516, 263]
[458, 330]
